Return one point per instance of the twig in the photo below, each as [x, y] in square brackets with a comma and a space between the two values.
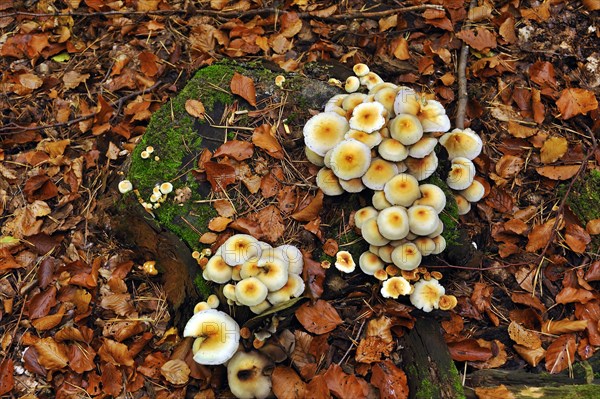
[463, 95]
[231, 14]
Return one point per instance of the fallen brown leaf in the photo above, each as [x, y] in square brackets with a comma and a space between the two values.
[577, 238]
[390, 380]
[576, 101]
[7, 378]
[345, 386]
[563, 326]
[563, 172]
[243, 86]
[318, 318]
[480, 39]
[287, 384]
[593, 227]
[499, 392]
[176, 371]
[469, 350]
[195, 108]
[553, 149]
[236, 149]
[561, 353]
[312, 210]
[263, 137]
[532, 356]
[521, 336]
[539, 235]
[51, 355]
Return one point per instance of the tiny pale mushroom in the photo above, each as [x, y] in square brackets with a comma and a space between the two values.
[407, 256]
[422, 168]
[369, 263]
[392, 150]
[461, 174]
[385, 253]
[334, 102]
[395, 287]
[406, 128]
[229, 292]
[238, 248]
[448, 302]
[217, 336]
[360, 69]
[166, 188]
[438, 230]
[125, 186]
[248, 377]
[383, 85]
[344, 262]
[432, 196]
[426, 294]
[474, 192]
[352, 84]
[212, 301]
[370, 232]
[402, 189]
[261, 307]
[218, 270]
[381, 275]
[367, 117]
[423, 147]
[462, 143]
[422, 219]
[328, 182]
[463, 205]
[379, 172]
[364, 214]
[250, 291]
[200, 306]
[379, 201]
[324, 131]
[293, 288]
[433, 117]
[393, 223]
[370, 80]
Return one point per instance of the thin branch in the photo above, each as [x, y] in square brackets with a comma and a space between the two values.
[463, 95]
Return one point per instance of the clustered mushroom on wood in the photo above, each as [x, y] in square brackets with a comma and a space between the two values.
[384, 140]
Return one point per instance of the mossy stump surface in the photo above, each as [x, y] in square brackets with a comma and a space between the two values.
[171, 232]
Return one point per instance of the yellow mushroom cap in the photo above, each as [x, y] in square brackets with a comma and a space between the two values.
[462, 143]
[407, 101]
[422, 219]
[166, 188]
[448, 302]
[461, 175]
[370, 80]
[218, 336]
[426, 294]
[371, 140]
[385, 253]
[379, 201]
[438, 230]
[261, 307]
[440, 244]
[395, 287]
[386, 97]
[474, 192]
[364, 214]
[380, 172]
[422, 168]
[313, 157]
[328, 182]
[213, 301]
[324, 131]
[125, 186]
[423, 147]
[217, 270]
[425, 245]
[229, 292]
[406, 128]
[335, 103]
[369, 263]
[367, 117]
[353, 185]
[392, 150]
[350, 159]
[393, 223]
[463, 205]
[273, 273]
[250, 291]
[360, 69]
[406, 256]
[433, 117]
[293, 288]
[247, 375]
[352, 84]
[293, 256]
[235, 273]
[200, 306]
[249, 268]
[383, 85]
[352, 100]
[381, 275]
[344, 262]
[433, 196]
[239, 248]
[371, 234]
[402, 189]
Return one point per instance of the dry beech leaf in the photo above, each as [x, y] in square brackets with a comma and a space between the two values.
[7, 375]
[345, 386]
[236, 149]
[219, 175]
[312, 210]
[532, 356]
[81, 358]
[115, 353]
[318, 318]
[561, 353]
[469, 350]
[509, 166]
[314, 274]
[499, 392]
[575, 101]
[592, 5]
[243, 86]
[529, 300]
[542, 73]
[563, 172]
[195, 108]
[400, 48]
[520, 131]
[577, 238]
[263, 137]
[176, 372]
[553, 149]
[219, 223]
[112, 380]
[521, 336]
[224, 208]
[377, 342]
[499, 355]
[563, 326]
[51, 355]
[593, 227]
[287, 384]
[390, 380]
[539, 235]
[481, 39]
[271, 223]
[72, 79]
[571, 294]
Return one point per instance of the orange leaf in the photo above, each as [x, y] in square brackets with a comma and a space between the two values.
[287, 384]
[318, 318]
[593, 227]
[499, 392]
[561, 353]
[553, 149]
[345, 386]
[247, 226]
[312, 210]
[575, 101]
[112, 380]
[330, 247]
[563, 326]
[271, 223]
[531, 356]
[577, 238]
[115, 353]
[263, 137]
[236, 149]
[539, 235]
[244, 87]
[529, 300]
[219, 175]
[520, 131]
[469, 350]
[314, 274]
[81, 358]
[592, 5]
[195, 108]
[317, 387]
[224, 208]
[563, 172]
[219, 223]
[542, 73]
[269, 185]
[51, 355]
[7, 375]
[521, 336]
[390, 380]
[148, 63]
[291, 24]
[481, 40]
[400, 48]
[176, 371]
[571, 294]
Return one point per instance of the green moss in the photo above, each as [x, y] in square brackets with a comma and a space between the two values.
[583, 200]
[449, 215]
[456, 378]
[203, 287]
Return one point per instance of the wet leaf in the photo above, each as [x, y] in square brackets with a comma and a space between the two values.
[40, 187]
[287, 384]
[263, 137]
[7, 379]
[40, 304]
[244, 87]
[148, 63]
[521, 336]
[176, 371]
[345, 386]
[51, 355]
[236, 149]
[469, 350]
[195, 108]
[563, 172]
[390, 380]
[553, 149]
[318, 318]
[317, 388]
[480, 39]
[575, 101]
[561, 353]
[571, 294]
[247, 226]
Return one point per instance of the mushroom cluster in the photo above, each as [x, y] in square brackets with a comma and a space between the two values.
[254, 273]
[158, 196]
[384, 140]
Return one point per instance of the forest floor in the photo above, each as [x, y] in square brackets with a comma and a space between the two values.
[80, 80]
